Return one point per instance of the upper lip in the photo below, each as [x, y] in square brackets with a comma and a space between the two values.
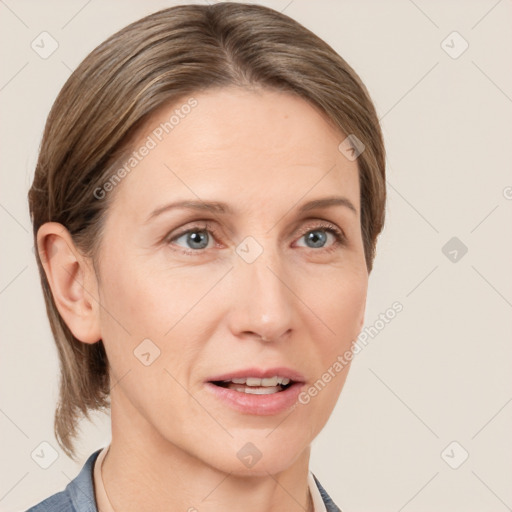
[281, 371]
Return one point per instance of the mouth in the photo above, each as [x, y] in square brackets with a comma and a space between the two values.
[255, 385]
[255, 391]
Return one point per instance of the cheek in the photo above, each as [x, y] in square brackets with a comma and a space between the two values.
[130, 312]
[148, 301]
[338, 304]
[144, 302]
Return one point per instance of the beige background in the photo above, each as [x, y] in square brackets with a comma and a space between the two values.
[440, 371]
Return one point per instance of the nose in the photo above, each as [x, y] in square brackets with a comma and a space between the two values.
[262, 303]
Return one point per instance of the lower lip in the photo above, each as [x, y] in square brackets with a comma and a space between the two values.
[263, 405]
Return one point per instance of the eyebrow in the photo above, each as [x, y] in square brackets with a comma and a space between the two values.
[223, 208]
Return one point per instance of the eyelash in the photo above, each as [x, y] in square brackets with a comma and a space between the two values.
[339, 236]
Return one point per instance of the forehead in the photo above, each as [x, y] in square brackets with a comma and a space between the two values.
[238, 145]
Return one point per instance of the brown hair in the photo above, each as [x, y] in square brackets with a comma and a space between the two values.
[155, 61]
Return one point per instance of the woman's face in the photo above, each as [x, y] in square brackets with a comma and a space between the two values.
[258, 287]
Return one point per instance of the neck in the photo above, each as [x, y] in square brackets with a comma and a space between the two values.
[139, 460]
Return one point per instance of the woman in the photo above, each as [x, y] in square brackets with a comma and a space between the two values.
[206, 204]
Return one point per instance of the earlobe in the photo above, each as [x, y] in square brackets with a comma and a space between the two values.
[72, 281]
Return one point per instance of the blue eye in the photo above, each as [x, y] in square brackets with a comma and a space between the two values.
[196, 239]
[317, 238]
[316, 241]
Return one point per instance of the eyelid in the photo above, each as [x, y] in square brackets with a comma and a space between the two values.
[322, 224]
[203, 225]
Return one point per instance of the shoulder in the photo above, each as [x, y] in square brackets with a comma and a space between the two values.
[78, 496]
[330, 506]
[59, 502]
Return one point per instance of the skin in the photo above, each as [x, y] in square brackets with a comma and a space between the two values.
[208, 310]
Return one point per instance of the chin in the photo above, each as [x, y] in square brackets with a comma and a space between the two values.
[259, 457]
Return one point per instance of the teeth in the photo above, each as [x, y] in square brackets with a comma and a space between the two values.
[256, 382]
[257, 391]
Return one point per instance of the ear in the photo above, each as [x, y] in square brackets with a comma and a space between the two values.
[72, 281]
